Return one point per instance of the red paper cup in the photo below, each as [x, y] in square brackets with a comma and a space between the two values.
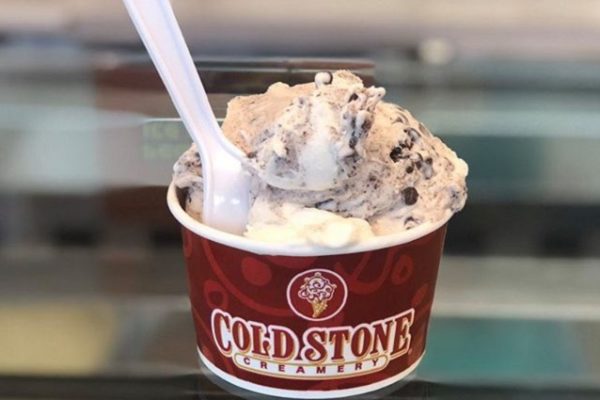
[305, 322]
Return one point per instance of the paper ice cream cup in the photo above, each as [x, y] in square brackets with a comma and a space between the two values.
[305, 322]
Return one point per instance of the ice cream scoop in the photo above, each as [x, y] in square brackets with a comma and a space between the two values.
[333, 164]
[302, 136]
[225, 184]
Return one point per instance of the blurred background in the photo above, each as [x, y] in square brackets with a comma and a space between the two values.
[91, 273]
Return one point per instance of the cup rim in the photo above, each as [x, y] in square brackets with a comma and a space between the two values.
[304, 250]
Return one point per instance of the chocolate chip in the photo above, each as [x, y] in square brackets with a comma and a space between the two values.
[352, 143]
[429, 160]
[407, 144]
[366, 125]
[418, 164]
[252, 154]
[410, 195]
[353, 97]
[396, 154]
[322, 203]
[409, 169]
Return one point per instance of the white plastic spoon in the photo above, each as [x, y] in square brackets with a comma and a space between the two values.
[225, 183]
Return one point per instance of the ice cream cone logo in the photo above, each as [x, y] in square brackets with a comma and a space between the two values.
[317, 294]
[317, 290]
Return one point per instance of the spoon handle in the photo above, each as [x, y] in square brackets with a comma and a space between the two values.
[160, 32]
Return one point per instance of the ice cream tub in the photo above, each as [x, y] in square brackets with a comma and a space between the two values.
[304, 322]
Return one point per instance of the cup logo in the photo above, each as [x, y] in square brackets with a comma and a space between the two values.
[317, 290]
[317, 294]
